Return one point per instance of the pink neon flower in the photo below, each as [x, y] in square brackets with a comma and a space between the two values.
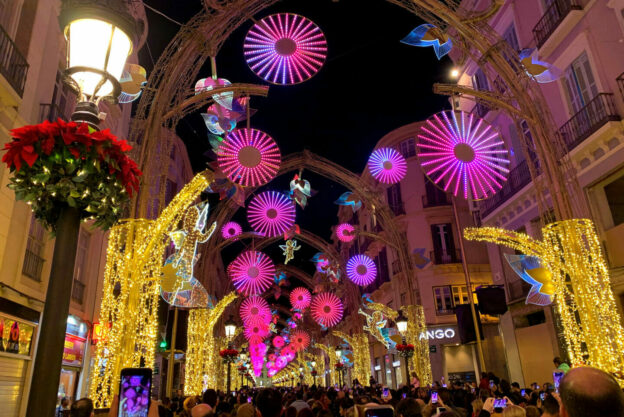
[300, 340]
[231, 230]
[255, 308]
[300, 298]
[256, 331]
[285, 48]
[463, 155]
[361, 270]
[271, 213]
[251, 272]
[278, 342]
[345, 232]
[387, 165]
[249, 157]
[326, 309]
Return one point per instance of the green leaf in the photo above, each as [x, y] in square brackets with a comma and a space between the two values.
[80, 178]
[71, 201]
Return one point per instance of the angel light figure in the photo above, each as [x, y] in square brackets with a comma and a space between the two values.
[289, 250]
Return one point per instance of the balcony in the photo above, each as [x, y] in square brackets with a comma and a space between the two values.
[435, 200]
[50, 112]
[519, 177]
[78, 291]
[589, 119]
[553, 17]
[13, 65]
[398, 208]
[441, 257]
[444, 311]
[33, 265]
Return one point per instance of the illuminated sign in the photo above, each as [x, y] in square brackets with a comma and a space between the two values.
[73, 350]
[396, 363]
[448, 333]
[377, 368]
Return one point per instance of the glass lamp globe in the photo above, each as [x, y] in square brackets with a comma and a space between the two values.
[230, 327]
[401, 323]
[99, 40]
[338, 352]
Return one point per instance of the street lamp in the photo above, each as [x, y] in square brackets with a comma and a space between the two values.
[97, 62]
[243, 357]
[230, 330]
[338, 352]
[401, 323]
[99, 40]
[313, 363]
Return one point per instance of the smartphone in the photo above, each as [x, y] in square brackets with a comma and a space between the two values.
[500, 403]
[404, 395]
[557, 375]
[542, 396]
[491, 384]
[434, 396]
[523, 392]
[473, 390]
[385, 392]
[248, 399]
[134, 392]
[443, 385]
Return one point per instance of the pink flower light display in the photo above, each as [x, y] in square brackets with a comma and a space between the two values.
[271, 213]
[300, 298]
[326, 309]
[345, 232]
[285, 48]
[463, 154]
[249, 157]
[231, 230]
[387, 165]
[256, 331]
[361, 270]
[300, 340]
[255, 308]
[278, 342]
[251, 272]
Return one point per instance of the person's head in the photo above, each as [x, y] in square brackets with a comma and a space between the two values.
[515, 385]
[408, 407]
[189, 403]
[505, 386]
[269, 402]
[210, 397]
[514, 411]
[414, 375]
[550, 406]
[201, 410]
[64, 402]
[299, 394]
[590, 392]
[166, 401]
[305, 412]
[246, 410]
[557, 361]
[291, 412]
[477, 406]
[81, 408]
[532, 411]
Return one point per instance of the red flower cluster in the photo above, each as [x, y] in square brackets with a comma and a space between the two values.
[242, 368]
[405, 348]
[313, 373]
[228, 353]
[339, 365]
[31, 142]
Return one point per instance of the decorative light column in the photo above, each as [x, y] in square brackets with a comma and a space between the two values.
[230, 331]
[401, 323]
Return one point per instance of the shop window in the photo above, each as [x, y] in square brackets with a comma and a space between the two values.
[615, 198]
[33, 258]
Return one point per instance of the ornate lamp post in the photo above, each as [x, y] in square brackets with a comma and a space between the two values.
[230, 331]
[301, 375]
[99, 39]
[243, 357]
[339, 364]
[405, 350]
[313, 372]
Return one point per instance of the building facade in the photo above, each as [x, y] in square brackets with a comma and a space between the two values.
[585, 40]
[426, 214]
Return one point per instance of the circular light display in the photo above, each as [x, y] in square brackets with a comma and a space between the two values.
[249, 157]
[256, 331]
[251, 272]
[278, 342]
[463, 154]
[361, 270]
[285, 48]
[345, 232]
[300, 340]
[255, 308]
[271, 213]
[387, 165]
[300, 298]
[326, 309]
[231, 230]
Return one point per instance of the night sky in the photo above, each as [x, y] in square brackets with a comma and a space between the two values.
[370, 85]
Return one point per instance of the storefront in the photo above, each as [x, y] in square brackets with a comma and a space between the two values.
[73, 359]
[449, 358]
[18, 329]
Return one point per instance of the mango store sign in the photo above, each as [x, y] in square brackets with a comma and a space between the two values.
[447, 333]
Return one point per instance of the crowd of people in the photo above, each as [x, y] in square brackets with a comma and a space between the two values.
[583, 392]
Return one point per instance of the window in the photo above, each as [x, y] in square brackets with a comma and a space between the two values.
[443, 244]
[394, 199]
[33, 258]
[450, 296]
[10, 11]
[579, 83]
[408, 148]
[480, 83]
[80, 268]
[383, 275]
[512, 39]
[615, 197]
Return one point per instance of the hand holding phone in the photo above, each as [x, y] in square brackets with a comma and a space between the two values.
[500, 403]
[434, 396]
[557, 375]
[134, 392]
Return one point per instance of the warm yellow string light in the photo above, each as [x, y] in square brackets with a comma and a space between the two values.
[361, 354]
[420, 362]
[331, 355]
[571, 251]
[200, 353]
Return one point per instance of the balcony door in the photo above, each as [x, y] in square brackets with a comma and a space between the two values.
[443, 244]
[580, 84]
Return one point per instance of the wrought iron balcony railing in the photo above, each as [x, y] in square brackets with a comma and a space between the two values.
[435, 199]
[78, 291]
[589, 119]
[519, 177]
[33, 265]
[13, 65]
[620, 83]
[552, 18]
[440, 257]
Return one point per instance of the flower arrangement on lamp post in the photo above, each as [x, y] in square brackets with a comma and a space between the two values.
[406, 351]
[313, 373]
[228, 355]
[340, 369]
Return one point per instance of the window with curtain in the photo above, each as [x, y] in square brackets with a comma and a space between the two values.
[579, 83]
[35, 246]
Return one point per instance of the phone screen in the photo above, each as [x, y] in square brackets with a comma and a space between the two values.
[404, 395]
[523, 392]
[542, 396]
[434, 396]
[385, 392]
[134, 392]
[248, 399]
[491, 384]
[500, 403]
[557, 375]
